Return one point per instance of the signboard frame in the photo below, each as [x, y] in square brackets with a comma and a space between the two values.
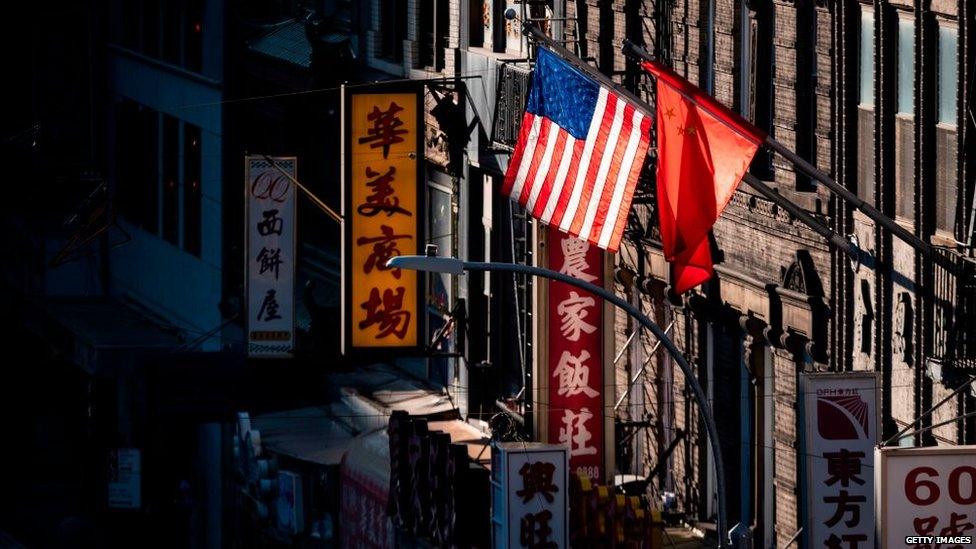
[595, 343]
[504, 523]
[882, 457]
[420, 216]
[248, 159]
[124, 483]
[806, 383]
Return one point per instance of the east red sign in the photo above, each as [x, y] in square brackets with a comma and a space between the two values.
[575, 373]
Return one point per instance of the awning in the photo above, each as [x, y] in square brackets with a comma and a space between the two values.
[374, 392]
[102, 335]
[361, 402]
[287, 43]
[310, 434]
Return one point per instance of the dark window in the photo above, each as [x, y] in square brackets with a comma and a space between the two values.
[169, 30]
[806, 99]
[433, 33]
[137, 174]
[511, 97]
[150, 28]
[193, 36]
[762, 95]
[172, 32]
[476, 22]
[191, 188]
[393, 28]
[127, 32]
[171, 189]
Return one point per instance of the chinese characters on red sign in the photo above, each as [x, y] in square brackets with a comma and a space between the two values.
[381, 220]
[576, 354]
[841, 432]
[270, 255]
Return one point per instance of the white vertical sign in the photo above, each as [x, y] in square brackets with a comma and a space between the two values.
[124, 478]
[927, 496]
[841, 428]
[289, 504]
[270, 257]
[529, 495]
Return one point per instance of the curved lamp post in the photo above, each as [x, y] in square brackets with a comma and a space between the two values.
[456, 266]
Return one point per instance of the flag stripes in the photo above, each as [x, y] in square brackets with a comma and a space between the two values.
[582, 186]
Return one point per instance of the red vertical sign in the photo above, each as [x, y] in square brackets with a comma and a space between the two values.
[575, 375]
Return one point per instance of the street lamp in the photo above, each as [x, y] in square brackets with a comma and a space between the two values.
[451, 265]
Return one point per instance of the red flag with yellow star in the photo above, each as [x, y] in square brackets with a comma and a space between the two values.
[703, 151]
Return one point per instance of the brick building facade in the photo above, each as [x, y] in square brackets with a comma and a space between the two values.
[876, 96]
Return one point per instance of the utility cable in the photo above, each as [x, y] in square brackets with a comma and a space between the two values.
[929, 411]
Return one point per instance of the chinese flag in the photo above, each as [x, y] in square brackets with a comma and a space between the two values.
[703, 150]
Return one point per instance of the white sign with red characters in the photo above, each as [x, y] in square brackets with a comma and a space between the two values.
[529, 499]
[927, 496]
[841, 431]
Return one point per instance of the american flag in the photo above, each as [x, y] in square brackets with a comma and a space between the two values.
[579, 152]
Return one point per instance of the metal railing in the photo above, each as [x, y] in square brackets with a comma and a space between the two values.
[637, 376]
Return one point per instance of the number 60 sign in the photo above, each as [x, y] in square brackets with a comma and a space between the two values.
[926, 495]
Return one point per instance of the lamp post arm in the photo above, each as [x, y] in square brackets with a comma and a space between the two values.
[689, 374]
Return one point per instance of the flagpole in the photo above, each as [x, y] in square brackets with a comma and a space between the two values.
[837, 240]
[638, 52]
[834, 238]
[568, 56]
[831, 236]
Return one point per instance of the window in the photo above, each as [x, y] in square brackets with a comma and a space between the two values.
[127, 25]
[761, 86]
[193, 35]
[477, 11]
[440, 289]
[170, 30]
[707, 59]
[137, 174]
[946, 138]
[171, 189]
[906, 66]
[513, 93]
[867, 59]
[158, 175]
[393, 28]
[865, 111]
[433, 33]
[948, 74]
[192, 145]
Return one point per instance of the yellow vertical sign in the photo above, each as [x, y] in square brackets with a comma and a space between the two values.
[382, 216]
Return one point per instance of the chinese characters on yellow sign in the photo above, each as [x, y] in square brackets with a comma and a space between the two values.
[382, 216]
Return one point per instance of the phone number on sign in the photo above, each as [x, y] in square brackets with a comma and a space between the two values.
[592, 471]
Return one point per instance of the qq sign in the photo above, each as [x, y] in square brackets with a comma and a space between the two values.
[927, 496]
